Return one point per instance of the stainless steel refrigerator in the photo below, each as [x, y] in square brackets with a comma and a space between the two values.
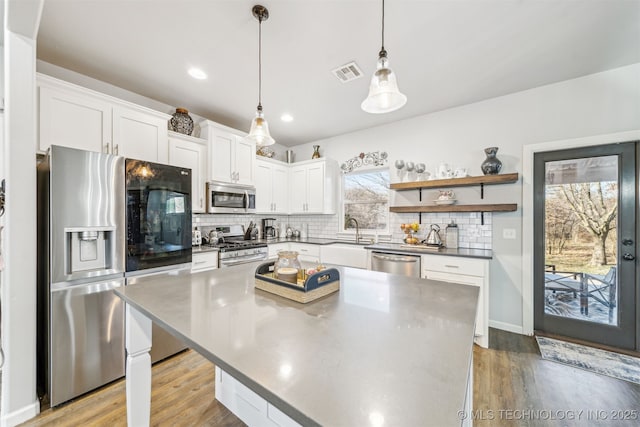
[81, 243]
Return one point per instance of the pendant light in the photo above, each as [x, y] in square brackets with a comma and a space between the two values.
[259, 127]
[384, 95]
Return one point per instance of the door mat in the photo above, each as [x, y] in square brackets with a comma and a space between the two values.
[591, 359]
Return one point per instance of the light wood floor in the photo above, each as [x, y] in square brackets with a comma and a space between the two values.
[510, 379]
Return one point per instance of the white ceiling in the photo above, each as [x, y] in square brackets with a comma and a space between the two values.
[445, 52]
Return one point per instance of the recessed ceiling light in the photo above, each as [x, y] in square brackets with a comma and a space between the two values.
[286, 117]
[197, 73]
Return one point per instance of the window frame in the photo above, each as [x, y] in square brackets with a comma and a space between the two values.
[343, 200]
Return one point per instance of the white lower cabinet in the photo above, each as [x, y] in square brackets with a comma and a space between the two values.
[344, 254]
[201, 261]
[275, 247]
[466, 271]
[248, 405]
[306, 252]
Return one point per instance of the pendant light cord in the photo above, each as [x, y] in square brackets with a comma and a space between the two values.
[383, 52]
[260, 63]
[382, 25]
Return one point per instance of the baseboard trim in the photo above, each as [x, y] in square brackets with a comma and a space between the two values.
[509, 327]
[21, 415]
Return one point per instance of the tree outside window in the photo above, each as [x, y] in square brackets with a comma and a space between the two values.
[366, 198]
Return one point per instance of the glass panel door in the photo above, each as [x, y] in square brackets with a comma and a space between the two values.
[585, 244]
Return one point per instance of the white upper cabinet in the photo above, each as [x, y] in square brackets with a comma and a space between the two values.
[140, 135]
[73, 119]
[189, 152]
[313, 187]
[231, 157]
[272, 187]
[73, 116]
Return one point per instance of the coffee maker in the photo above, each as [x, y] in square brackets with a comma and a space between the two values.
[268, 228]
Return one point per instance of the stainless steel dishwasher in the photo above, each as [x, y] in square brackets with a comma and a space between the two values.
[404, 265]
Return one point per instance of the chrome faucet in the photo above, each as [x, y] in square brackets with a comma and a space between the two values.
[357, 227]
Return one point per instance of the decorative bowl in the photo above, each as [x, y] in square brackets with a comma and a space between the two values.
[444, 201]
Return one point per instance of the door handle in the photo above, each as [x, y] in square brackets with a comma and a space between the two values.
[627, 242]
[628, 257]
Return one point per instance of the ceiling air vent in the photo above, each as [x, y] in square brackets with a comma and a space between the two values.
[347, 72]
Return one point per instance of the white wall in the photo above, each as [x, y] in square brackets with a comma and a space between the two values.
[601, 103]
[19, 400]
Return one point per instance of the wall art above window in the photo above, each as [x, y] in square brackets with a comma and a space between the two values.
[375, 158]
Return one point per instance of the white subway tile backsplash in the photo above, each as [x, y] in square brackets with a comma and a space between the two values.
[471, 233]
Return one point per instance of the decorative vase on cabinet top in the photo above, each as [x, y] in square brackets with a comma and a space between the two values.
[316, 152]
[181, 122]
[491, 165]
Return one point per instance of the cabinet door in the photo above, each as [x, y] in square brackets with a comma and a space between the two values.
[306, 252]
[464, 280]
[139, 135]
[315, 188]
[244, 161]
[74, 120]
[298, 193]
[192, 155]
[275, 247]
[201, 261]
[264, 186]
[221, 156]
[280, 193]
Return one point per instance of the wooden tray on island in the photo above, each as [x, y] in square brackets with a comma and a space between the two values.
[314, 286]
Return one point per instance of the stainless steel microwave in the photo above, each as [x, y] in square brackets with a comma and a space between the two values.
[230, 198]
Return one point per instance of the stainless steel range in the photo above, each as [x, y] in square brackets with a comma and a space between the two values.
[234, 249]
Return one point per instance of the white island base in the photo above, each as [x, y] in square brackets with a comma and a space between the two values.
[422, 327]
[247, 405]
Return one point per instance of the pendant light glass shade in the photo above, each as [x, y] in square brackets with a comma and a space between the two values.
[384, 95]
[260, 130]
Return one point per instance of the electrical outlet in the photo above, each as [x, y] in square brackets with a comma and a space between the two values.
[509, 233]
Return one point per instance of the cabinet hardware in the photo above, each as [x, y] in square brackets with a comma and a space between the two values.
[116, 150]
[452, 266]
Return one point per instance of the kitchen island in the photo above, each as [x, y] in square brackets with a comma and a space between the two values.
[384, 350]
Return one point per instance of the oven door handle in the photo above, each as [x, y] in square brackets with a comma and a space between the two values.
[243, 260]
[246, 199]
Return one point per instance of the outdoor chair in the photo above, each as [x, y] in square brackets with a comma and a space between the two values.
[600, 288]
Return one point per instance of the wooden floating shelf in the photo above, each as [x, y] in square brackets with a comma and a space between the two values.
[457, 182]
[503, 207]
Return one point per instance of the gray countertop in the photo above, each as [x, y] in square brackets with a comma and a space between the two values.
[395, 247]
[460, 252]
[393, 346]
